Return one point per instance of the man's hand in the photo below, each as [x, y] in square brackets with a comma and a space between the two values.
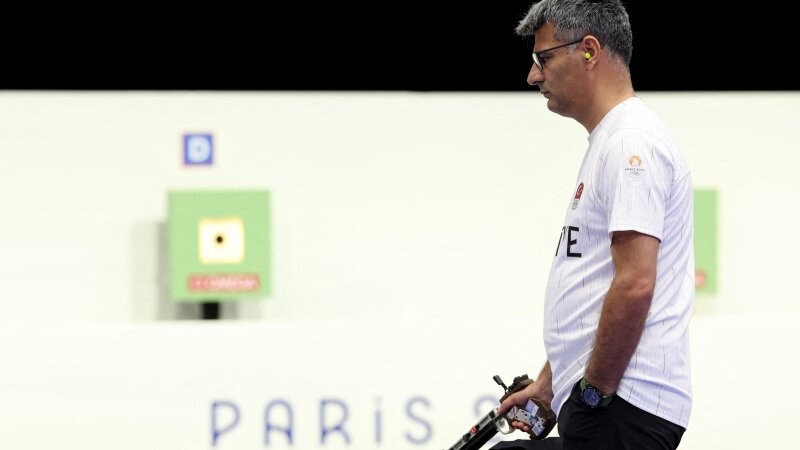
[541, 390]
[518, 399]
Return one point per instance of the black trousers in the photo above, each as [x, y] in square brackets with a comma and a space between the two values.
[618, 426]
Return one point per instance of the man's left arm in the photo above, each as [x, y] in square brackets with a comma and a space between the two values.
[625, 308]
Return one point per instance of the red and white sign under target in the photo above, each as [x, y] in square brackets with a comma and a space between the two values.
[245, 282]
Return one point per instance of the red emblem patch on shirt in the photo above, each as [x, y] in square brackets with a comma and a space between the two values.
[578, 193]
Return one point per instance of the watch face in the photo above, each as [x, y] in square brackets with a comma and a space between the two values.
[591, 397]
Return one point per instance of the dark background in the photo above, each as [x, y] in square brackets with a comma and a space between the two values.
[435, 46]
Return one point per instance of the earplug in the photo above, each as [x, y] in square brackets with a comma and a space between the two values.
[587, 55]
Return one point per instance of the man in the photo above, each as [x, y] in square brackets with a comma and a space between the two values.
[621, 286]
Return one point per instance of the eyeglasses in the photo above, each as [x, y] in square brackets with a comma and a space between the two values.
[537, 56]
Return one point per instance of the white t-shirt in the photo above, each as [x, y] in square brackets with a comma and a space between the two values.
[633, 177]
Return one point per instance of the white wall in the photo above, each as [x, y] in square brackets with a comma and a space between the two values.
[388, 209]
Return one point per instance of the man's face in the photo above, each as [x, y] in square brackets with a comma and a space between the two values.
[561, 76]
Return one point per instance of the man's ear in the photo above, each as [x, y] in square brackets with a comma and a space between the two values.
[591, 48]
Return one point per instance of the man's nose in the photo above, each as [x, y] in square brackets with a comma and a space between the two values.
[535, 75]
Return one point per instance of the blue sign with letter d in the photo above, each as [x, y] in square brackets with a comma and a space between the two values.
[198, 149]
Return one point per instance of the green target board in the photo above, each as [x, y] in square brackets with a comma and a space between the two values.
[705, 240]
[219, 245]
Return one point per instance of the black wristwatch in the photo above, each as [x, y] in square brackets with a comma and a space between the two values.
[592, 397]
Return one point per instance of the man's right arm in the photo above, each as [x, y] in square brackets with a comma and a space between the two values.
[544, 384]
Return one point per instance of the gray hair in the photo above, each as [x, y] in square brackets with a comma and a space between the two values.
[607, 20]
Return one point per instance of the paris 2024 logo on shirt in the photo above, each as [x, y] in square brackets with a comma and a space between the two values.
[635, 167]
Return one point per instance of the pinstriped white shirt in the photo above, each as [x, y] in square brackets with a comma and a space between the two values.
[633, 177]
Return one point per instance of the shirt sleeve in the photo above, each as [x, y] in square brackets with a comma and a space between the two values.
[637, 177]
